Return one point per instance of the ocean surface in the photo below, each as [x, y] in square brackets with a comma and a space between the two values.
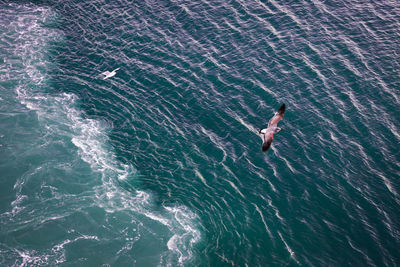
[161, 165]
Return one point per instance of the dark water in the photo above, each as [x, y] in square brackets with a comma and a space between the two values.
[161, 165]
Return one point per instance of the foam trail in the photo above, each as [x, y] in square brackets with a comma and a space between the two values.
[60, 119]
[179, 220]
[291, 252]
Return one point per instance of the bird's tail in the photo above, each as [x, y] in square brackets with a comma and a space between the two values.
[266, 144]
[281, 109]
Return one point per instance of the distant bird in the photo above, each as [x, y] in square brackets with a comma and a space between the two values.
[268, 133]
[108, 74]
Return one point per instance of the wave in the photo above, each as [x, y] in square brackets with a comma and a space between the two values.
[67, 132]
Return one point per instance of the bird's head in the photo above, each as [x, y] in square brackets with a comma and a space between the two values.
[277, 129]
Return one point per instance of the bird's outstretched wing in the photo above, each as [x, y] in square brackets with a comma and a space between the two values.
[277, 117]
[267, 141]
[108, 74]
[105, 73]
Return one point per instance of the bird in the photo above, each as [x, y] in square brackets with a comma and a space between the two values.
[108, 74]
[268, 133]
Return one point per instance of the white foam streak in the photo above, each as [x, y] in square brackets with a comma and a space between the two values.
[234, 187]
[291, 252]
[177, 242]
[263, 220]
[28, 259]
[388, 185]
[370, 262]
[203, 180]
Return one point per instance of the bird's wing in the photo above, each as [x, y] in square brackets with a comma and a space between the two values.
[115, 69]
[105, 73]
[277, 117]
[267, 141]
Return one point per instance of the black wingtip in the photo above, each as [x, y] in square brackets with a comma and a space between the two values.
[266, 145]
[282, 109]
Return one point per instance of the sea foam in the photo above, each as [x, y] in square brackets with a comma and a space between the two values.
[61, 119]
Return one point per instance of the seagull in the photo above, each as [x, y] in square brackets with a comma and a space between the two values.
[108, 74]
[268, 133]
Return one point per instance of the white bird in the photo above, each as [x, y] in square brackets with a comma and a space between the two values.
[108, 74]
[268, 133]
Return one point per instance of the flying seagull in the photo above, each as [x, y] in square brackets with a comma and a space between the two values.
[268, 133]
[108, 74]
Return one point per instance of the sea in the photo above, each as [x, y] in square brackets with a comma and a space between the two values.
[161, 164]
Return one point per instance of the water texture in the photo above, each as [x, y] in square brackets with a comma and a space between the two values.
[161, 165]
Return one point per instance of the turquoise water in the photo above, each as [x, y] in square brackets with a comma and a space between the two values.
[161, 165]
